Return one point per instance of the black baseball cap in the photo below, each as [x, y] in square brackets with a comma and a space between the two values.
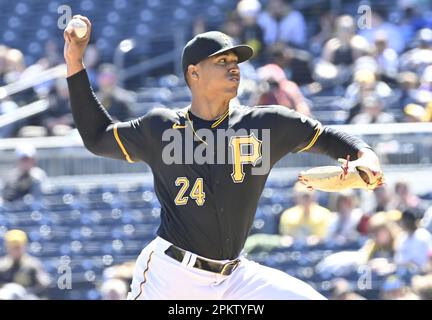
[209, 44]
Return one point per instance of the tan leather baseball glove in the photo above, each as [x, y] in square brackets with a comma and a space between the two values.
[338, 178]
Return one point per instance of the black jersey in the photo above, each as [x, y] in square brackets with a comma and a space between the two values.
[208, 175]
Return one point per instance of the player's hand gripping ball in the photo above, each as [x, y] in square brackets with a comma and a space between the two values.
[79, 26]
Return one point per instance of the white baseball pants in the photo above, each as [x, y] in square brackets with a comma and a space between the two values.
[158, 276]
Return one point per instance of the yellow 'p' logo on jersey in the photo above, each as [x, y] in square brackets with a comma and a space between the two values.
[237, 144]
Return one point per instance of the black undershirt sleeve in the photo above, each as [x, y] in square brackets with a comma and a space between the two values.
[101, 136]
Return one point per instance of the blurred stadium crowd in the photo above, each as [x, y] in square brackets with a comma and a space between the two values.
[309, 56]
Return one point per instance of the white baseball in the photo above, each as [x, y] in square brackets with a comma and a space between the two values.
[79, 26]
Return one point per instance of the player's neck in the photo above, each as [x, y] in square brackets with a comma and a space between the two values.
[208, 109]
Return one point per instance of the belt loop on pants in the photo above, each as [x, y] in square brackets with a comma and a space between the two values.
[201, 263]
[186, 259]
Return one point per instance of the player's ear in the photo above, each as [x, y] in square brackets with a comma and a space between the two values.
[192, 71]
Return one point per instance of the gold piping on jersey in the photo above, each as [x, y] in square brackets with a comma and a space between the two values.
[314, 139]
[144, 275]
[193, 129]
[123, 149]
[220, 120]
[178, 126]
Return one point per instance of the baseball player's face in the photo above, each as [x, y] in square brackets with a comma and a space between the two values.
[220, 74]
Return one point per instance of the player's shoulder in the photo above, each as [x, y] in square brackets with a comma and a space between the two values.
[163, 114]
[245, 109]
[264, 110]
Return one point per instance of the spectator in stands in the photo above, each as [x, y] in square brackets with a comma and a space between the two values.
[372, 112]
[343, 290]
[276, 89]
[115, 99]
[21, 268]
[343, 227]
[251, 33]
[116, 279]
[377, 252]
[408, 83]
[386, 57]
[413, 18]
[307, 220]
[15, 65]
[281, 23]
[422, 286]
[380, 25]
[415, 243]
[414, 113]
[15, 71]
[383, 198]
[233, 27]
[403, 197]
[58, 118]
[296, 63]
[426, 221]
[418, 58]
[341, 50]
[26, 178]
[395, 288]
[365, 84]
[383, 234]
[14, 291]
[114, 289]
[424, 92]
[326, 31]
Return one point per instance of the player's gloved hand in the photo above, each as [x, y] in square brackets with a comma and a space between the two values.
[369, 167]
[363, 173]
[74, 47]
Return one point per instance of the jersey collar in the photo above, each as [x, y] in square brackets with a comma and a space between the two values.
[214, 124]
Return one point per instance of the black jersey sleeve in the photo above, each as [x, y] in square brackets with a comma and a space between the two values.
[299, 133]
[128, 141]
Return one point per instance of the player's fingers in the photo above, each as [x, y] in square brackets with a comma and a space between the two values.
[66, 36]
[87, 21]
[71, 33]
[83, 18]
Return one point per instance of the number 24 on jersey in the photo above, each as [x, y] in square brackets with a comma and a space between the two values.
[197, 192]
